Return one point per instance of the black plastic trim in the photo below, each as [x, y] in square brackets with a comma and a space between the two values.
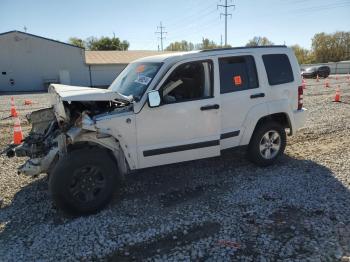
[229, 134]
[173, 149]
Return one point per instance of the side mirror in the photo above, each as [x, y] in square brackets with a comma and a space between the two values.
[153, 98]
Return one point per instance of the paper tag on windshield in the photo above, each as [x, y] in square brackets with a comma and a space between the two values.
[143, 80]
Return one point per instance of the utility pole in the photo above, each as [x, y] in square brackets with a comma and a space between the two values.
[221, 40]
[226, 14]
[25, 29]
[161, 32]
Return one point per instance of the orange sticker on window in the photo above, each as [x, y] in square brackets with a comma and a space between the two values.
[140, 68]
[237, 80]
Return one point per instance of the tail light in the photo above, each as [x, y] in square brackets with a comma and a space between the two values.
[300, 97]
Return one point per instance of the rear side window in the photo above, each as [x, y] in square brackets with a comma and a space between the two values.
[237, 73]
[278, 69]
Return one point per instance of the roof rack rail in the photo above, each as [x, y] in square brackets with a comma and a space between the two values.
[242, 47]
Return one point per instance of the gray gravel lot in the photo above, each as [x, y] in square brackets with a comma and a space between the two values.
[219, 209]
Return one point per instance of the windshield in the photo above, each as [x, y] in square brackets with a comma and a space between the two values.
[135, 79]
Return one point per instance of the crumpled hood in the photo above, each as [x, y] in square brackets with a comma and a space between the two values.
[81, 93]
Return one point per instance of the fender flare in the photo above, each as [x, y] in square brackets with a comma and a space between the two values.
[110, 143]
[282, 106]
[250, 121]
[264, 110]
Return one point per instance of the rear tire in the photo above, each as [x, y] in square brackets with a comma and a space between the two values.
[83, 181]
[268, 142]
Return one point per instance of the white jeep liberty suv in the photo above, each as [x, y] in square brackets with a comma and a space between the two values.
[160, 110]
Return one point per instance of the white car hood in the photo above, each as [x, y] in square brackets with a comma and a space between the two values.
[80, 93]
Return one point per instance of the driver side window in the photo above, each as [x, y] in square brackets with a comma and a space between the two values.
[189, 81]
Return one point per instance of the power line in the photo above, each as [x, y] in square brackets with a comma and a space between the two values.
[194, 23]
[226, 14]
[191, 16]
[320, 7]
[212, 23]
[161, 33]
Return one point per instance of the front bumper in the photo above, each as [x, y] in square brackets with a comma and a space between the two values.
[36, 166]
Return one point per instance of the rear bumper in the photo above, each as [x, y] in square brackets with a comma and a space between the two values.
[299, 119]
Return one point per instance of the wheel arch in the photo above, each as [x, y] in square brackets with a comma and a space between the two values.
[262, 115]
[110, 145]
[281, 118]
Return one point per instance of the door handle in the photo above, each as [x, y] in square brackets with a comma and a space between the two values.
[210, 107]
[257, 95]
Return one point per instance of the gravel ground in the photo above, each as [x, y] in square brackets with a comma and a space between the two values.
[219, 209]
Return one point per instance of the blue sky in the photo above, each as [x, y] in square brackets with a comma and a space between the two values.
[282, 21]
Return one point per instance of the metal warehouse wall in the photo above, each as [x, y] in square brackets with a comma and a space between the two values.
[342, 67]
[103, 75]
[27, 62]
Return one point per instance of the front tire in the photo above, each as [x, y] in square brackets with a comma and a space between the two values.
[83, 181]
[267, 143]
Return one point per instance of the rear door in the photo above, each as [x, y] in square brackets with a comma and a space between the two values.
[241, 89]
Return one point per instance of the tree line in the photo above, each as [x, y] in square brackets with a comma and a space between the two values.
[325, 47]
[102, 43]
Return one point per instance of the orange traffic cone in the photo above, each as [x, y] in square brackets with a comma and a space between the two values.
[337, 95]
[326, 83]
[13, 108]
[28, 102]
[303, 83]
[17, 132]
[317, 78]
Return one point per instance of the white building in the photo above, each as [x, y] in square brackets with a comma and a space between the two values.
[30, 63]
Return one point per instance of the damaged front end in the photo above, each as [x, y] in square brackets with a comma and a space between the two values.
[69, 121]
[44, 142]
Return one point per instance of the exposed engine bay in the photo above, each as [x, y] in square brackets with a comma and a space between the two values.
[57, 128]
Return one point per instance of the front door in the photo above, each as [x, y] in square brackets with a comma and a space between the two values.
[186, 126]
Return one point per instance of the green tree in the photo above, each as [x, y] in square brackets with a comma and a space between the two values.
[106, 43]
[180, 46]
[188, 46]
[207, 44]
[76, 41]
[259, 41]
[331, 47]
[303, 55]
